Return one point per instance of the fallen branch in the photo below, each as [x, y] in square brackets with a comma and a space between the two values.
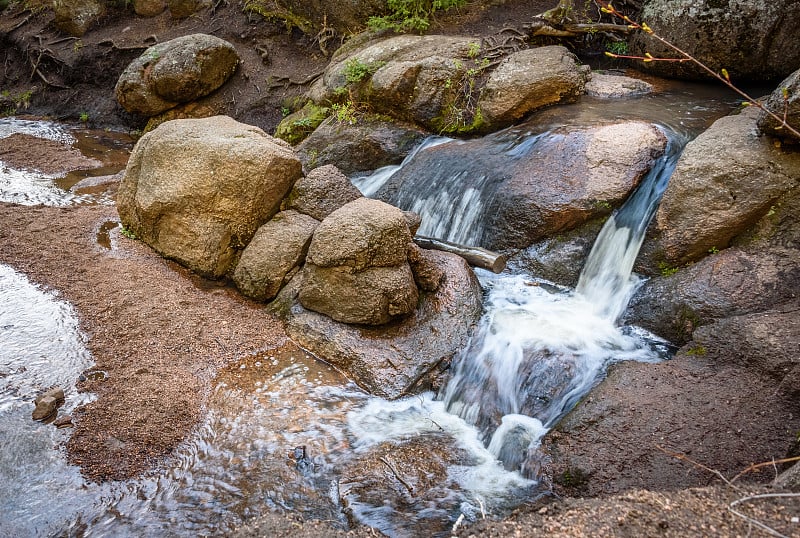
[684, 457]
[397, 475]
[475, 256]
[755, 466]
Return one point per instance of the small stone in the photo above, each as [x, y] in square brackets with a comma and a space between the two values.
[47, 403]
[64, 421]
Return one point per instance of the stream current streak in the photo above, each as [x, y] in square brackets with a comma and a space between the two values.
[540, 348]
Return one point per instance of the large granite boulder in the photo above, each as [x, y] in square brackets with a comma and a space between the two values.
[754, 40]
[785, 103]
[197, 190]
[407, 355]
[274, 255]
[528, 80]
[726, 180]
[75, 17]
[436, 81]
[176, 71]
[357, 268]
[570, 178]
[513, 189]
[321, 192]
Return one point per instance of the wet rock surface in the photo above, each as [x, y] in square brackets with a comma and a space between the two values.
[547, 194]
[47, 404]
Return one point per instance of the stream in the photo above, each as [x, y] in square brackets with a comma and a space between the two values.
[539, 348]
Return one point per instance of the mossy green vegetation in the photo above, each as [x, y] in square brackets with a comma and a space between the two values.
[295, 127]
[405, 16]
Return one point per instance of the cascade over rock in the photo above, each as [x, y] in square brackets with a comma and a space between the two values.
[726, 179]
[755, 40]
[197, 190]
[510, 189]
[176, 71]
[548, 193]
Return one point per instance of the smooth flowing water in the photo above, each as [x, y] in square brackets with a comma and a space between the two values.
[286, 433]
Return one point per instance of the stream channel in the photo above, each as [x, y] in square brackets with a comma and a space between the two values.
[538, 349]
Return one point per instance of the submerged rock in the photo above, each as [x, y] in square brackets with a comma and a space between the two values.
[197, 190]
[47, 404]
[615, 86]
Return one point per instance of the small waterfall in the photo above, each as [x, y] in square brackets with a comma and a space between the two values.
[440, 182]
[541, 348]
[606, 280]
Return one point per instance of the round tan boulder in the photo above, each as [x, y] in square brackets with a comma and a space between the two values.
[197, 190]
[531, 79]
[149, 8]
[176, 71]
[357, 268]
[363, 233]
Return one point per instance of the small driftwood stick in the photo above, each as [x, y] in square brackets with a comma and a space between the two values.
[475, 256]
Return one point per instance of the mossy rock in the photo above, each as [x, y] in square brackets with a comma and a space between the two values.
[295, 127]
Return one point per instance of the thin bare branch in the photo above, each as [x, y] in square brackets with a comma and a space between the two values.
[606, 7]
